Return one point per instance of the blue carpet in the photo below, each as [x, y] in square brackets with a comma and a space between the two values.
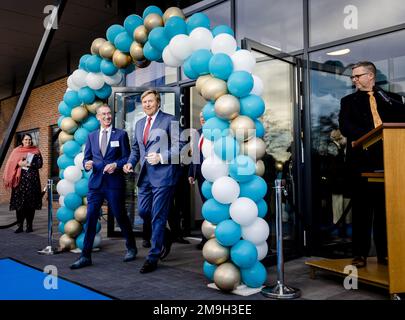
[21, 282]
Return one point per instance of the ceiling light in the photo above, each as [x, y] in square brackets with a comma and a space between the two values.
[338, 52]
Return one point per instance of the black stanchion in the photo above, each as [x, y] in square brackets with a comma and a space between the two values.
[48, 249]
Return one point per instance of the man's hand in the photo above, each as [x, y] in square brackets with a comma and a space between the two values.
[88, 165]
[191, 180]
[128, 168]
[110, 168]
[153, 158]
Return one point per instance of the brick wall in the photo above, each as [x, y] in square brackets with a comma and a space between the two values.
[40, 113]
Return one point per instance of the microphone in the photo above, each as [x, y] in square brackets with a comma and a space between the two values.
[383, 95]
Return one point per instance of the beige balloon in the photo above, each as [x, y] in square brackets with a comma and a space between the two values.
[68, 125]
[254, 148]
[92, 108]
[243, 128]
[214, 253]
[85, 201]
[66, 243]
[107, 50]
[96, 44]
[73, 228]
[201, 81]
[227, 107]
[63, 137]
[260, 168]
[227, 276]
[61, 149]
[143, 63]
[152, 20]
[141, 34]
[136, 51]
[79, 114]
[173, 12]
[120, 59]
[208, 229]
[81, 214]
[213, 89]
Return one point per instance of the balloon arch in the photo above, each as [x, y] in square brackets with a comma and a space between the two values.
[232, 146]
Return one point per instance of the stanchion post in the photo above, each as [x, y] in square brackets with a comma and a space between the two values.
[49, 250]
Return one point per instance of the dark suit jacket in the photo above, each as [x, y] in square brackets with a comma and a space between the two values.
[117, 151]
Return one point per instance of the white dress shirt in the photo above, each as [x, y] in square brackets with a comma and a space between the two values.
[151, 123]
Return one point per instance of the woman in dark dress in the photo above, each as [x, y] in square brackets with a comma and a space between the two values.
[22, 176]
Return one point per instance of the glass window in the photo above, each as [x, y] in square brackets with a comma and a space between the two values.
[155, 75]
[275, 23]
[333, 20]
[55, 153]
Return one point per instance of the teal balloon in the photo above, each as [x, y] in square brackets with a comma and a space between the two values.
[64, 109]
[151, 53]
[226, 148]
[91, 123]
[82, 187]
[87, 174]
[254, 189]
[228, 233]
[244, 254]
[93, 63]
[262, 207]
[252, 106]
[60, 120]
[259, 129]
[209, 270]
[71, 148]
[199, 61]
[242, 168]
[152, 9]
[215, 128]
[64, 161]
[188, 70]
[240, 83]
[82, 62]
[98, 227]
[113, 31]
[71, 98]
[221, 66]
[123, 41]
[255, 276]
[206, 189]
[61, 175]
[215, 212]
[104, 92]
[108, 68]
[65, 214]
[80, 240]
[73, 201]
[132, 22]
[209, 110]
[128, 69]
[81, 135]
[61, 227]
[174, 26]
[158, 38]
[86, 95]
[197, 20]
[222, 29]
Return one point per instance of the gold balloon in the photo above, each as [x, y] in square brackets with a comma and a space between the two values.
[213, 89]
[107, 50]
[260, 168]
[227, 107]
[93, 107]
[63, 137]
[208, 229]
[173, 12]
[96, 44]
[214, 253]
[201, 81]
[243, 128]
[254, 148]
[136, 51]
[143, 63]
[68, 125]
[81, 214]
[227, 276]
[85, 201]
[152, 20]
[73, 228]
[141, 34]
[79, 114]
[121, 60]
[61, 149]
[66, 242]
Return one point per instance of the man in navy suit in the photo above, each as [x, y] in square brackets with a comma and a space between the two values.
[106, 152]
[157, 146]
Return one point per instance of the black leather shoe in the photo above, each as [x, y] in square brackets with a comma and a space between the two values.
[130, 255]
[167, 245]
[359, 261]
[146, 244]
[148, 267]
[29, 229]
[81, 263]
[19, 229]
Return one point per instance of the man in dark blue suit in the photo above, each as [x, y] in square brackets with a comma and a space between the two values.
[157, 146]
[106, 152]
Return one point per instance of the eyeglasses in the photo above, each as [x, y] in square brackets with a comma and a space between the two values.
[357, 76]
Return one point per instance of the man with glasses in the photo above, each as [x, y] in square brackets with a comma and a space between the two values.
[361, 112]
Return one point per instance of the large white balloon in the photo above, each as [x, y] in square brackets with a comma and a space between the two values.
[72, 174]
[257, 86]
[79, 160]
[71, 84]
[225, 190]
[213, 168]
[201, 38]
[169, 59]
[180, 47]
[79, 78]
[244, 211]
[257, 232]
[114, 79]
[224, 43]
[95, 81]
[262, 249]
[207, 148]
[64, 187]
[62, 201]
[243, 60]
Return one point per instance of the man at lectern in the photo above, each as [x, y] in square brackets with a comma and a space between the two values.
[360, 112]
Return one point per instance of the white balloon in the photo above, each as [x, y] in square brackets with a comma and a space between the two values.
[180, 47]
[224, 43]
[262, 249]
[79, 160]
[64, 187]
[257, 86]
[97, 240]
[169, 59]
[114, 79]
[201, 38]
[79, 77]
[213, 168]
[95, 81]
[71, 84]
[257, 232]
[225, 190]
[72, 174]
[62, 201]
[243, 60]
[244, 211]
[207, 148]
